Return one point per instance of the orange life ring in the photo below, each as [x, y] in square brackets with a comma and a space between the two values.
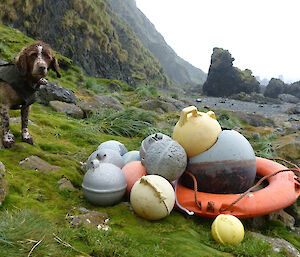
[282, 191]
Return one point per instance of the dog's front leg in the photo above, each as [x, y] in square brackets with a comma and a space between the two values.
[8, 139]
[25, 134]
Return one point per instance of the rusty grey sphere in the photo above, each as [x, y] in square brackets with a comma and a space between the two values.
[104, 184]
[229, 166]
[166, 158]
[113, 145]
[148, 141]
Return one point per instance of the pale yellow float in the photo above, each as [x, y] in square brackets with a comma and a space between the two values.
[196, 131]
[152, 197]
[227, 229]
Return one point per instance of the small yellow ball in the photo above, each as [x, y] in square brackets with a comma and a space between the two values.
[227, 229]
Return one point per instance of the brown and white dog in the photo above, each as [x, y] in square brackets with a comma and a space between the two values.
[19, 83]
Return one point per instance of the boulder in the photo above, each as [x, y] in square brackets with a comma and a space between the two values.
[157, 105]
[288, 98]
[99, 102]
[277, 244]
[65, 185]
[67, 108]
[274, 88]
[35, 163]
[89, 218]
[52, 92]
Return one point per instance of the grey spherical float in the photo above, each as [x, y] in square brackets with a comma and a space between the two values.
[131, 156]
[229, 166]
[113, 145]
[166, 158]
[104, 184]
[106, 156]
[148, 141]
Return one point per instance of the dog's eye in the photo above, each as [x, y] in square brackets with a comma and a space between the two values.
[33, 55]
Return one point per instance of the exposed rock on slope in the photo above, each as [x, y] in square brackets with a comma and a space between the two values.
[89, 33]
[177, 69]
[224, 79]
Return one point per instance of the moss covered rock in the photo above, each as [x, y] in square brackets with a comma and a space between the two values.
[224, 80]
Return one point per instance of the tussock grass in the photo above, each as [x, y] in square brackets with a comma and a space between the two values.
[127, 123]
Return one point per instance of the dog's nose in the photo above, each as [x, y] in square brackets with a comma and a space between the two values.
[42, 68]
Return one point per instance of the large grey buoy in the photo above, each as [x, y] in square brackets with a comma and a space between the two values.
[228, 167]
[106, 156]
[166, 158]
[113, 145]
[104, 184]
[148, 141]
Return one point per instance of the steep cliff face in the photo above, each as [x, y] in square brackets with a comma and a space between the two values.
[89, 33]
[177, 69]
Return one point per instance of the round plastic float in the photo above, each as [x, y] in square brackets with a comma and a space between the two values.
[152, 197]
[196, 131]
[113, 145]
[133, 171]
[104, 184]
[148, 141]
[227, 229]
[166, 158]
[131, 156]
[106, 156]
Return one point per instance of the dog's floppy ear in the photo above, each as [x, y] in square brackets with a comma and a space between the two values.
[21, 62]
[54, 66]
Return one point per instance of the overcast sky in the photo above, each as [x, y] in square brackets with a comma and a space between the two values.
[262, 35]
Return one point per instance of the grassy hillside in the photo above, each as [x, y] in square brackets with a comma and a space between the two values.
[90, 34]
[32, 217]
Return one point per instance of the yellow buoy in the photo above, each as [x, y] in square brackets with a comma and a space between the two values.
[227, 229]
[196, 131]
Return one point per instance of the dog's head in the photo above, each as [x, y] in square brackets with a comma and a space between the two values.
[35, 60]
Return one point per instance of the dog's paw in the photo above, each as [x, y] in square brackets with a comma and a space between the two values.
[28, 140]
[8, 140]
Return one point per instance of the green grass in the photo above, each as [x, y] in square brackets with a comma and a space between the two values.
[35, 208]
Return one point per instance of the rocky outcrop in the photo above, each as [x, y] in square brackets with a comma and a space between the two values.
[54, 92]
[224, 80]
[277, 88]
[274, 88]
[293, 89]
